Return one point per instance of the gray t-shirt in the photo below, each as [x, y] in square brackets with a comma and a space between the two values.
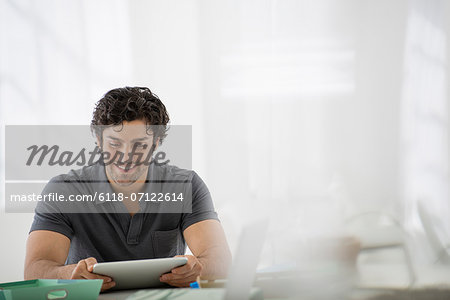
[113, 234]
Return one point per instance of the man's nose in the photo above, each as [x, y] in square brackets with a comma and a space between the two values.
[126, 150]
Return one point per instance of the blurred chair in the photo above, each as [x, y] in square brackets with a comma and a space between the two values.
[377, 231]
[436, 234]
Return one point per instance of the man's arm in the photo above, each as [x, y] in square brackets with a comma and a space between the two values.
[211, 254]
[46, 253]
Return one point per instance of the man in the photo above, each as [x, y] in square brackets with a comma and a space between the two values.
[67, 245]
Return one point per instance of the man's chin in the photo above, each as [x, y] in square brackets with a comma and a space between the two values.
[126, 179]
[125, 182]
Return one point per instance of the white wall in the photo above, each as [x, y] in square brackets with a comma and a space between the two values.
[56, 60]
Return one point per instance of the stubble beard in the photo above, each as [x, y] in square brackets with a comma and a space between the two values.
[125, 179]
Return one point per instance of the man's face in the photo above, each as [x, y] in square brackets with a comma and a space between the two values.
[122, 168]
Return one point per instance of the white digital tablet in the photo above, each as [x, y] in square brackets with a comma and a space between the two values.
[134, 274]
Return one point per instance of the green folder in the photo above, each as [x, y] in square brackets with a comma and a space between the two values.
[51, 289]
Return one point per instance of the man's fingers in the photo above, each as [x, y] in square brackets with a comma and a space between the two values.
[104, 278]
[79, 269]
[189, 266]
[89, 275]
[171, 277]
[82, 271]
[183, 269]
[90, 262]
[107, 281]
[184, 275]
[108, 285]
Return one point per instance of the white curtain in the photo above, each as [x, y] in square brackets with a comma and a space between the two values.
[425, 111]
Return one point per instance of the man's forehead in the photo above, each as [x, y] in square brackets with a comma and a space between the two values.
[128, 131]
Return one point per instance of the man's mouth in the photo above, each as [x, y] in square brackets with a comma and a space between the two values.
[125, 168]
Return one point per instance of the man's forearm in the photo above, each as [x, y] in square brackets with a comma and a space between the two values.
[47, 269]
[215, 263]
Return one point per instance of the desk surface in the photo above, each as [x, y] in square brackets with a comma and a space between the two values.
[178, 293]
[118, 295]
[418, 294]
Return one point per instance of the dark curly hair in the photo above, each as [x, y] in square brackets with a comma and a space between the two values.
[129, 104]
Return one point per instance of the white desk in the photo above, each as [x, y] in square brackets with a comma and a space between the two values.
[118, 295]
[178, 293]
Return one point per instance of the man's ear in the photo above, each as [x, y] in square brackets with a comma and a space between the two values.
[98, 142]
[155, 145]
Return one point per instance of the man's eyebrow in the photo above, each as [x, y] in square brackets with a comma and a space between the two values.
[114, 138]
[140, 139]
[135, 140]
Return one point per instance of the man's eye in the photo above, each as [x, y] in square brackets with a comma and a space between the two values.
[114, 145]
[141, 146]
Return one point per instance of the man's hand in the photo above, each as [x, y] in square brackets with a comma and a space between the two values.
[84, 269]
[184, 275]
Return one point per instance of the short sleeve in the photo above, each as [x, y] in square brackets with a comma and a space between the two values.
[202, 205]
[47, 214]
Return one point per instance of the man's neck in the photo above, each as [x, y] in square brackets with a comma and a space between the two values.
[136, 187]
